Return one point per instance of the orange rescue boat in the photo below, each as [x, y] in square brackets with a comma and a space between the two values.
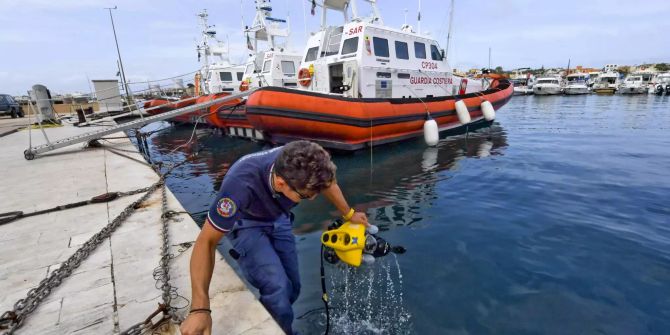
[343, 123]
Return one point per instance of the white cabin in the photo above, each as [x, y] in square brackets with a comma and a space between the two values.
[224, 78]
[365, 59]
[274, 65]
[272, 69]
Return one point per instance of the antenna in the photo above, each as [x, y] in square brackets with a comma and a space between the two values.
[419, 18]
[451, 19]
[405, 10]
[489, 58]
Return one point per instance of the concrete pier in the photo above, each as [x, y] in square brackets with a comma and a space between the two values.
[113, 288]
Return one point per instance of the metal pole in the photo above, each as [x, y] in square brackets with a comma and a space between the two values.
[451, 20]
[123, 74]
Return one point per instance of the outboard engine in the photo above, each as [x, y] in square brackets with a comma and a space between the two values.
[667, 89]
[659, 89]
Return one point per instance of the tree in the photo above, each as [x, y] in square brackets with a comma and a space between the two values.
[662, 67]
[624, 70]
[499, 69]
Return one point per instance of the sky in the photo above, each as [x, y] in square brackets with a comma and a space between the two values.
[65, 43]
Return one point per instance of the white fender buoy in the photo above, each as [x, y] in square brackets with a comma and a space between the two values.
[430, 132]
[488, 111]
[462, 112]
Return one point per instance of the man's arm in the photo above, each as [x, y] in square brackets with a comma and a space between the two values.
[202, 267]
[334, 194]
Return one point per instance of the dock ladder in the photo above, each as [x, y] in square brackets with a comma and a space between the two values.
[30, 153]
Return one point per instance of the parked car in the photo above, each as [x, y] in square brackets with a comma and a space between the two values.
[8, 106]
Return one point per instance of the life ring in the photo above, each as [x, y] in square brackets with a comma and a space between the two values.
[244, 86]
[304, 77]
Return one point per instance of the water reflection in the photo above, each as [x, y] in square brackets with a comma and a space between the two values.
[391, 183]
[397, 181]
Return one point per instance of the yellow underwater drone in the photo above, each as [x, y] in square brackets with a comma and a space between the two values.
[353, 244]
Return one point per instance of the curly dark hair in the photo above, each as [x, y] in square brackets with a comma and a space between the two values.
[305, 166]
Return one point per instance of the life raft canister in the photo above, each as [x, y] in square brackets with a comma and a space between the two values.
[304, 77]
[463, 86]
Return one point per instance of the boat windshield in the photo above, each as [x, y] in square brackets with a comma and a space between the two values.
[250, 69]
[311, 54]
[547, 81]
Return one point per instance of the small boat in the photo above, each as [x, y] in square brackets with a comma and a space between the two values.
[662, 84]
[576, 83]
[550, 85]
[523, 81]
[607, 83]
[636, 83]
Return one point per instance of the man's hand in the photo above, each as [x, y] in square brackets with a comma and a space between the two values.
[361, 218]
[197, 324]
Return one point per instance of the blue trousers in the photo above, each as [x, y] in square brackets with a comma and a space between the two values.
[269, 261]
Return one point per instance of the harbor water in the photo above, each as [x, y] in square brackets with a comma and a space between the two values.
[556, 220]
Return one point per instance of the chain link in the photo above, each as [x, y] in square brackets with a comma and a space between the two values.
[162, 276]
[13, 320]
[165, 260]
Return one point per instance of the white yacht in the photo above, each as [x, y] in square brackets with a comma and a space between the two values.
[636, 83]
[523, 81]
[549, 85]
[221, 75]
[273, 64]
[593, 78]
[576, 83]
[607, 83]
[662, 84]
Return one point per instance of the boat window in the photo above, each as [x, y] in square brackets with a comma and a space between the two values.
[419, 50]
[401, 50]
[350, 45]
[383, 75]
[267, 65]
[311, 54]
[288, 67]
[381, 46]
[226, 76]
[403, 75]
[435, 52]
[240, 75]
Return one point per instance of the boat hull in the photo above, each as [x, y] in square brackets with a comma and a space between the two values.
[351, 124]
[157, 106]
[576, 90]
[202, 116]
[546, 90]
[523, 91]
[605, 90]
[633, 90]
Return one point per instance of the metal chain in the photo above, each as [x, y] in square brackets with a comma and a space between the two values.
[12, 320]
[165, 259]
[162, 276]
